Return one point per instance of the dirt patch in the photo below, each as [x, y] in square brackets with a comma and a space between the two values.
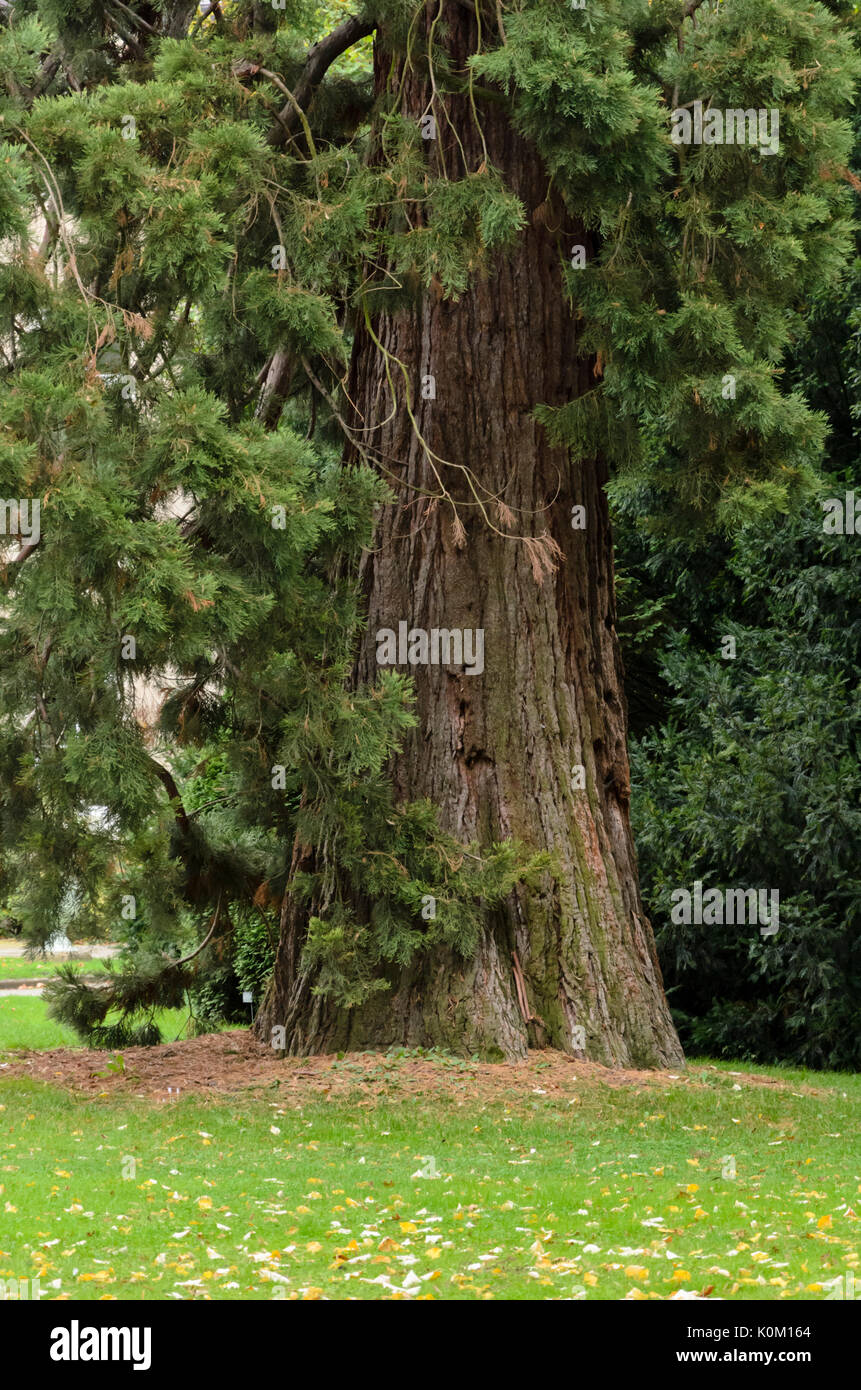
[225, 1063]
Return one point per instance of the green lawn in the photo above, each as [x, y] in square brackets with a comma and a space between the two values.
[609, 1193]
[24, 1022]
[19, 968]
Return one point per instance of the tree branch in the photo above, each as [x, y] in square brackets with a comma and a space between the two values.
[688, 12]
[275, 388]
[205, 942]
[127, 37]
[136, 18]
[690, 9]
[320, 58]
[22, 555]
[165, 776]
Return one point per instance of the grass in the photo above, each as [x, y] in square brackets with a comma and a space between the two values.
[610, 1193]
[19, 968]
[24, 1023]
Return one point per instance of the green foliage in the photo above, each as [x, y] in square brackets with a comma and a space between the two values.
[421, 877]
[753, 781]
[746, 771]
[707, 253]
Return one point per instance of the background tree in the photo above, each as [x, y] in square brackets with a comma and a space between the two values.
[757, 784]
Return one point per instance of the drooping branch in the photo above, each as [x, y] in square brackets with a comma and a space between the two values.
[23, 554]
[174, 964]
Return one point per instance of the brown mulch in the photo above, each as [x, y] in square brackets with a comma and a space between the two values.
[226, 1063]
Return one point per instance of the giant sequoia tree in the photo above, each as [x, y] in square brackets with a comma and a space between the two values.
[322, 335]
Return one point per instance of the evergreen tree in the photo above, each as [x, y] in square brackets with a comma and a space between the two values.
[298, 347]
[753, 782]
[758, 784]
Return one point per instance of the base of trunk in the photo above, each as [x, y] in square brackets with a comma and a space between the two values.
[480, 1007]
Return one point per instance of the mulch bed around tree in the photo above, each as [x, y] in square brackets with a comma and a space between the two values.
[222, 1063]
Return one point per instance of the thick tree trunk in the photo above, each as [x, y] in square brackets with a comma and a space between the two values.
[495, 751]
